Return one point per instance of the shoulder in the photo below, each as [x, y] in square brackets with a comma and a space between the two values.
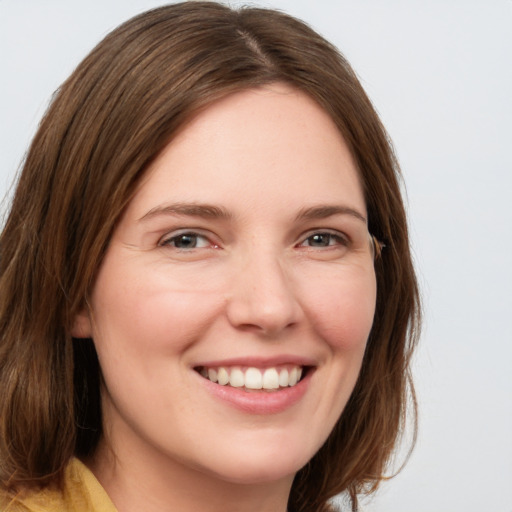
[81, 492]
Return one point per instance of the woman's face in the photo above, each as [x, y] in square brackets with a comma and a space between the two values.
[243, 261]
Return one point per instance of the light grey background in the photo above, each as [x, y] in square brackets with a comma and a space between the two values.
[440, 75]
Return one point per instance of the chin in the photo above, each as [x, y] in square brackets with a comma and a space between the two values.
[261, 466]
[252, 474]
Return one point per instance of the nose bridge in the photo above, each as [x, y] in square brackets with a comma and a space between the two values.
[262, 292]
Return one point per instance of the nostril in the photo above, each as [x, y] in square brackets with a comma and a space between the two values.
[263, 302]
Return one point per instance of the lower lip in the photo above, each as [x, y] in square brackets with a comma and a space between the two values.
[259, 402]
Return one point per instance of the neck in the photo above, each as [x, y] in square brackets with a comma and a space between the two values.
[165, 485]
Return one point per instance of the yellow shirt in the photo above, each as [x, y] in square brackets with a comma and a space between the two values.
[81, 493]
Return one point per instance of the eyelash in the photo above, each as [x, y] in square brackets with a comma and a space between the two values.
[171, 241]
[336, 237]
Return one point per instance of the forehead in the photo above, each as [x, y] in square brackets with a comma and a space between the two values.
[273, 143]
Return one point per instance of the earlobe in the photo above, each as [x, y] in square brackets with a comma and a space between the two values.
[82, 325]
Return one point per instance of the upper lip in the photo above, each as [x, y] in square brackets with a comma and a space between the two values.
[258, 361]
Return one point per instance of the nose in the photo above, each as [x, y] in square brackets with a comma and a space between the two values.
[263, 297]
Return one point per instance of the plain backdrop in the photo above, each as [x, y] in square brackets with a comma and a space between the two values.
[440, 75]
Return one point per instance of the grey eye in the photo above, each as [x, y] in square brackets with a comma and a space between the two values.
[187, 241]
[323, 240]
[320, 240]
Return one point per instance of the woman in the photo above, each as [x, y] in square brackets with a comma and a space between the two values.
[195, 310]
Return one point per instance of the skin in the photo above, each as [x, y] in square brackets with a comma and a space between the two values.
[254, 283]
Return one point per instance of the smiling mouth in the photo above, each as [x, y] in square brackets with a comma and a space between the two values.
[254, 379]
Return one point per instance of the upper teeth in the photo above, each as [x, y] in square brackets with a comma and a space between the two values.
[254, 378]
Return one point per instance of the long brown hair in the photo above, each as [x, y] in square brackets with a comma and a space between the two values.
[106, 124]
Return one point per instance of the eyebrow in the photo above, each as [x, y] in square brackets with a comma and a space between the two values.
[208, 211]
[324, 211]
[205, 211]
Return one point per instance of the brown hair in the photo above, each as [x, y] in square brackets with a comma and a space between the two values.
[105, 125]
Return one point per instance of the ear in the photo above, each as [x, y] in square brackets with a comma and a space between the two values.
[82, 325]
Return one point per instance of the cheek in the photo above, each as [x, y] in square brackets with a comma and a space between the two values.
[343, 310]
[150, 316]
